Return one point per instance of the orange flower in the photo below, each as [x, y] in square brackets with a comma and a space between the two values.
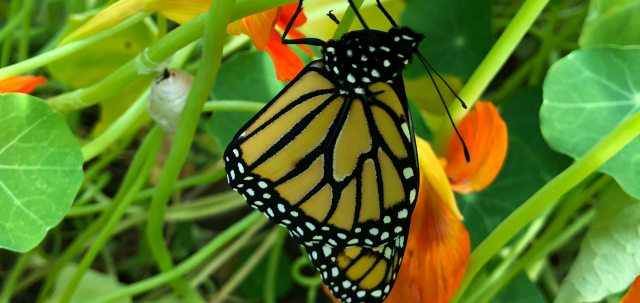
[261, 28]
[485, 133]
[438, 245]
[633, 296]
[21, 84]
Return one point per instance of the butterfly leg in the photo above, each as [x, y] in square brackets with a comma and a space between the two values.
[307, 41]
[384, 11]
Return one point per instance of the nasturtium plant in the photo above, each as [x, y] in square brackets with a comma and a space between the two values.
[609, 21]
[98, 204]
[586, 95]
[530, 163]
[40, 170]
[457, 35]
[97, 61]
[609, 258]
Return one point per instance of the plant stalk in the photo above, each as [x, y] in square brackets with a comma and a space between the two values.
[488, 69]
[554, 189]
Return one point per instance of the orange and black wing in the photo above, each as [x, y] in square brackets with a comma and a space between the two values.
[332, 168]
[358, 274]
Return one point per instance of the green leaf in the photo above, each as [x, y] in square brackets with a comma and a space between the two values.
[248, 76]
[100, 59]
[40, 170]
[92, 64]
[530, 164]
[612, 22]
[253, 286]
[92, 285]
[457, 34]
[609, 257]
[519, 290]
[586, 95]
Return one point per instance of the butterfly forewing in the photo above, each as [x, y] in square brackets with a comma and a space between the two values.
[332, 168]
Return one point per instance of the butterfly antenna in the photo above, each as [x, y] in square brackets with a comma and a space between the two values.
[424, 60]
[333, 17]
[464, 146]
[355, 10]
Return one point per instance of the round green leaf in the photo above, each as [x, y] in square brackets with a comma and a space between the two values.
[40, 170]
[457, 34]
[612, 22]
[586, 95]
[609, 257]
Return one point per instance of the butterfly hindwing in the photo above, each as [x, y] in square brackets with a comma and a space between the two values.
[357, 274]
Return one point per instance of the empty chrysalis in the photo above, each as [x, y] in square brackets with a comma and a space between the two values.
[169, 92]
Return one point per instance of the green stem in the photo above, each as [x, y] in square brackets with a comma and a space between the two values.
[579, 170]
[186, 183]
[213, 41]
[192, 262]
[80, 241]
[247, 267]
[23, 50]
[125, 124]
[231, 251]
[575, 196]
[272, 268]
[146, 153]
[7, 30]
[92, 190]
[162, 25]
[68, 49]
[347, 20]
[107, 158]
[8, 44]
[12, 280]
[158, 52]
[232, 105]
[489, 67]
[540, 250]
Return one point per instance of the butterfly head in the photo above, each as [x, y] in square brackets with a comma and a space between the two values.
[362, 57]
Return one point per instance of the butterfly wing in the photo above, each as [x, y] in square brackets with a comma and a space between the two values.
[333, 169]
[358, 274]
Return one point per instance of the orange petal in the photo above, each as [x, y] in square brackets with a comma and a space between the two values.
[287, 13]
[286, 61]
[295, 34]
[21, 84]
[258, 26]
[329, 294]
[438, 246]
[633, 296]
[485, 134]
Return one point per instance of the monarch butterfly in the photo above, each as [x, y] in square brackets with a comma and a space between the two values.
[333, 158]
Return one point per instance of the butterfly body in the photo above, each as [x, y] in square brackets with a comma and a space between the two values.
[363, 57]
